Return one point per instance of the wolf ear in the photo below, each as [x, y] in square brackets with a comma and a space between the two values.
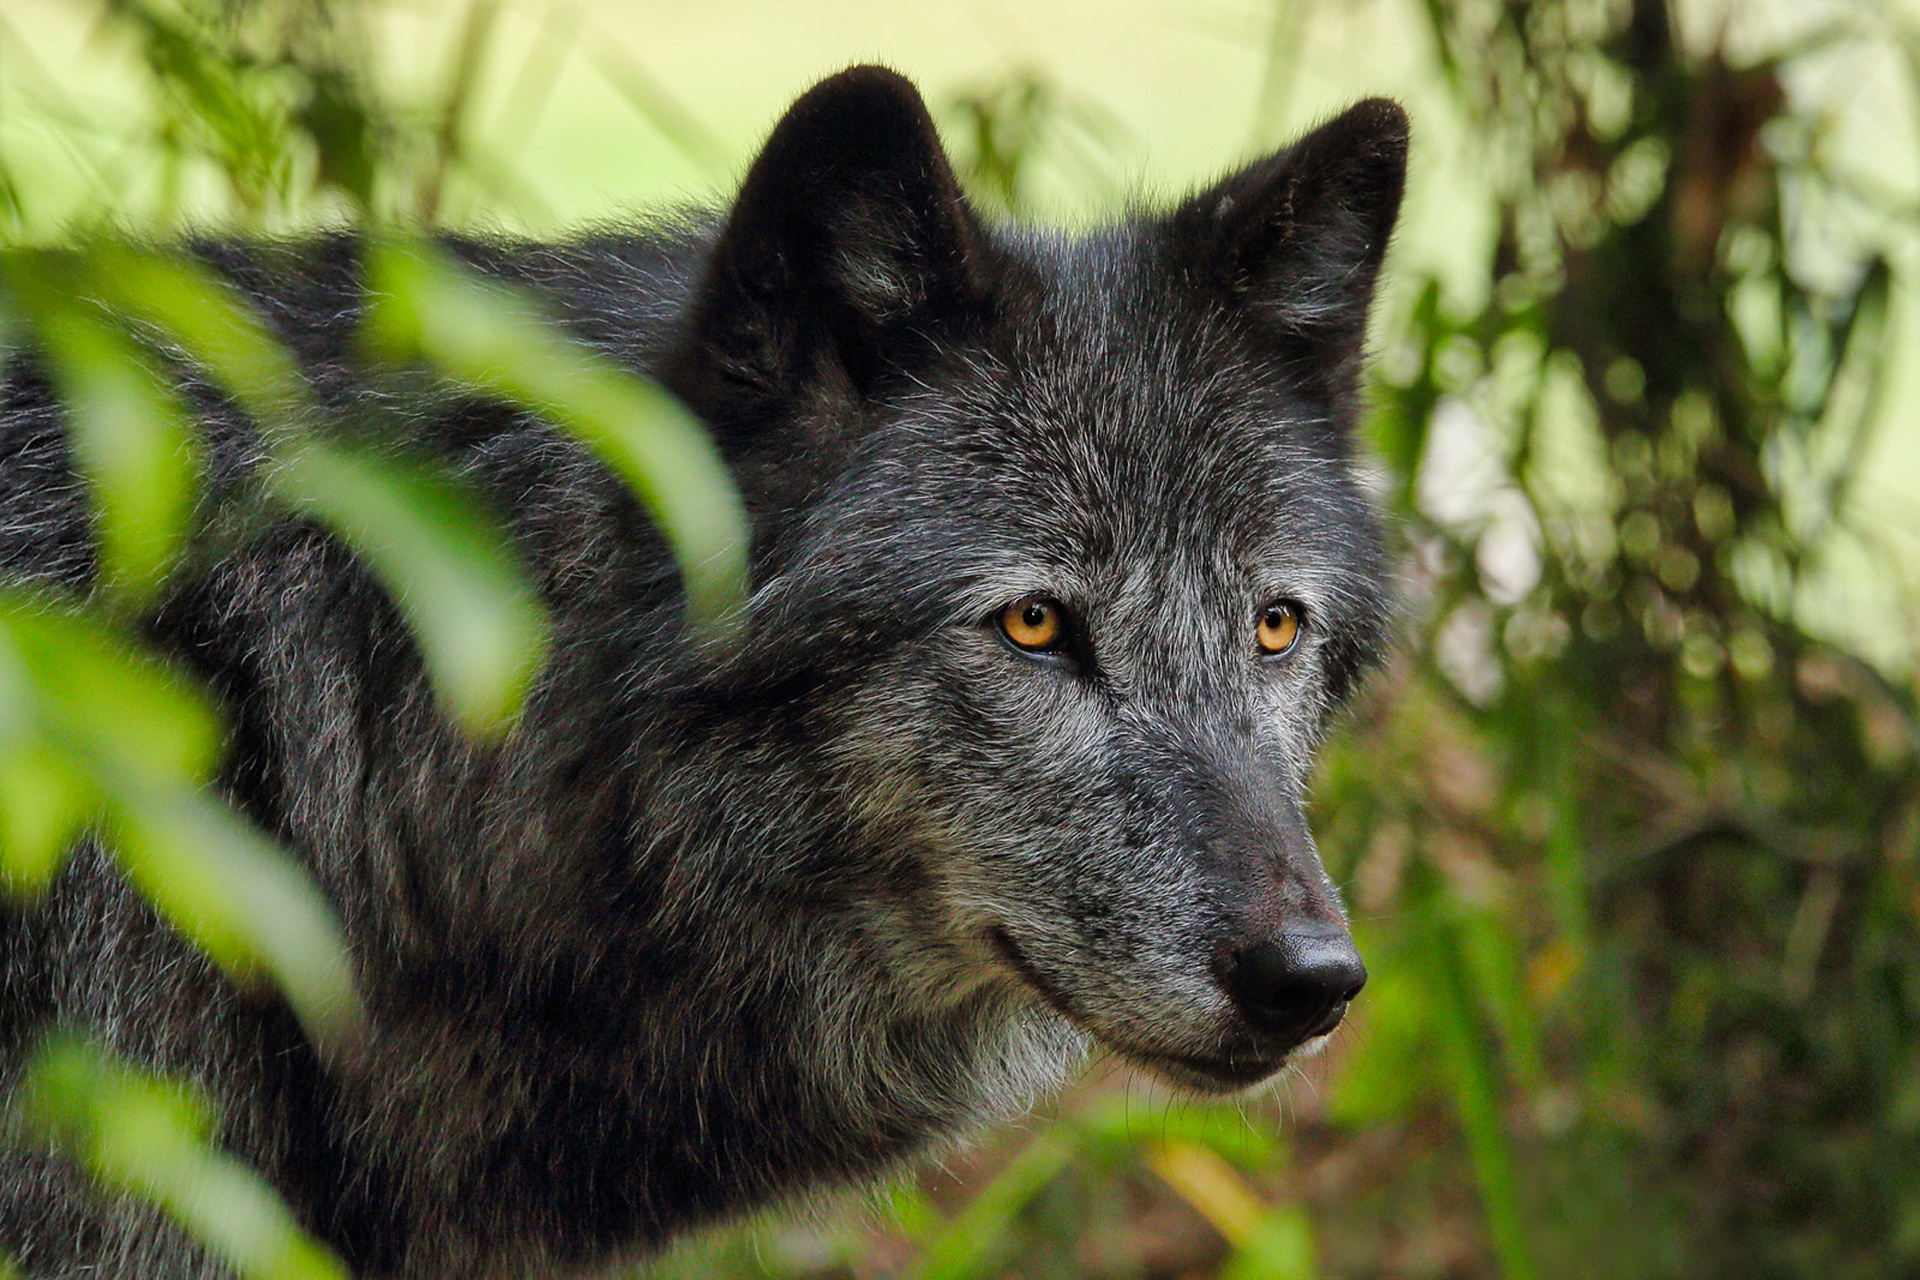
[1296, 239]
[849, 254]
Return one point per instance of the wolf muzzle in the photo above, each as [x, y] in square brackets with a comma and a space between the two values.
[1295, 985]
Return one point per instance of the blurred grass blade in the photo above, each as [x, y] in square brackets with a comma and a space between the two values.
[1225, 1131]
[153, 1139]
[480, 627]
[1211, 1186]
[441, 555]
[424, 304]
[1278, 1247]
[129, 433]
[1476, 1088]
[969, 1245]
[1269, 1243]
[240, 896]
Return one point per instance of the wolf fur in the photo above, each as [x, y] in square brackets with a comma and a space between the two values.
[713, 928]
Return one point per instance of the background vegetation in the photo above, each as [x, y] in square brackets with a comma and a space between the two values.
[1631, 830]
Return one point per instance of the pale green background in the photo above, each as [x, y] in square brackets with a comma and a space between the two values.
[1189, 89]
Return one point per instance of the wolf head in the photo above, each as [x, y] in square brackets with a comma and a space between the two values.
[1060, 550]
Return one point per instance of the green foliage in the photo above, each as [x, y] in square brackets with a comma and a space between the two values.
[152, 1139]
[1632, 830]
[98, 737]
[497, 342]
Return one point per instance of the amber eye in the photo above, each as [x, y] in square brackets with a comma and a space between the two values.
[1279, 627]
[1035, 624]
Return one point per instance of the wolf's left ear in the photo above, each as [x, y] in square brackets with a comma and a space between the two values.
[1296, 239]
[849, 255]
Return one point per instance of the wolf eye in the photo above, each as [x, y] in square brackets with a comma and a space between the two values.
[1279, 628]
[1036, 624]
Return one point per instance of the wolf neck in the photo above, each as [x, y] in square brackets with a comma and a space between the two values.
[740, 1033]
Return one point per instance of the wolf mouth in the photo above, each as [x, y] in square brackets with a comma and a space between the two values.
[1199, 1072]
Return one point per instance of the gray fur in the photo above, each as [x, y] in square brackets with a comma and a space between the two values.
[718, 928]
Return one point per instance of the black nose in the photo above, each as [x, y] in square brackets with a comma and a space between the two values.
[1297, 984]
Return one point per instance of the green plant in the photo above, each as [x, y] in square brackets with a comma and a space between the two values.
[98, 736]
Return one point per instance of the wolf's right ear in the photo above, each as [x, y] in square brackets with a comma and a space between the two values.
[1296, 240]
[848, 257]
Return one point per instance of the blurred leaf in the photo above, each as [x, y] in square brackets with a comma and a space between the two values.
[1493, 956]
[44, 803]
[129, 433]
[240, 897]
[1211, 1186]
[481, 629]
[214, 93]
[1224, 1130]
[1385, 1073]
[1477, 1089]
[90, 691]
[103, 716]
[424, 304]
[344, 133]
[152, 1139]
[198, 310]
[441, 555]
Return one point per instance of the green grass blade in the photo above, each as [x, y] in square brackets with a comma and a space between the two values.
[1476, 1083]
[969, 1245]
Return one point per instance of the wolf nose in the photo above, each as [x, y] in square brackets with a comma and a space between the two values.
[1297, 984]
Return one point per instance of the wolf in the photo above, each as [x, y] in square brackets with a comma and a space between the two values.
[1061, 561]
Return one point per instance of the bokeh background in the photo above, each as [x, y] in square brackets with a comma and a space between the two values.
[1630, 829]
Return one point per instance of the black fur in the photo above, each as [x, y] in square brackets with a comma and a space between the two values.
[714, 929]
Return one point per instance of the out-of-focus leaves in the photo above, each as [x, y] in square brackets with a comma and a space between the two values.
[44, 803]
[91, 693]
[213, 92]
[973, 1241]
[240, 897]
[1210, 1185]
[424, 305]
[153, 1139]
[196, 309]
[1477, 1087]
[113, 729]
[1385, 1071]
[1279, 1246]
[1269, 1242]
[441, 554]
[480, 627]
[128, 429]
[1224, 1130]
[344, 131]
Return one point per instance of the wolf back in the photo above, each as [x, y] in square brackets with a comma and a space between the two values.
[1008, 766]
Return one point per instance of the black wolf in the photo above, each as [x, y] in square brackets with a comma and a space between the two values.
[1060, 565]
